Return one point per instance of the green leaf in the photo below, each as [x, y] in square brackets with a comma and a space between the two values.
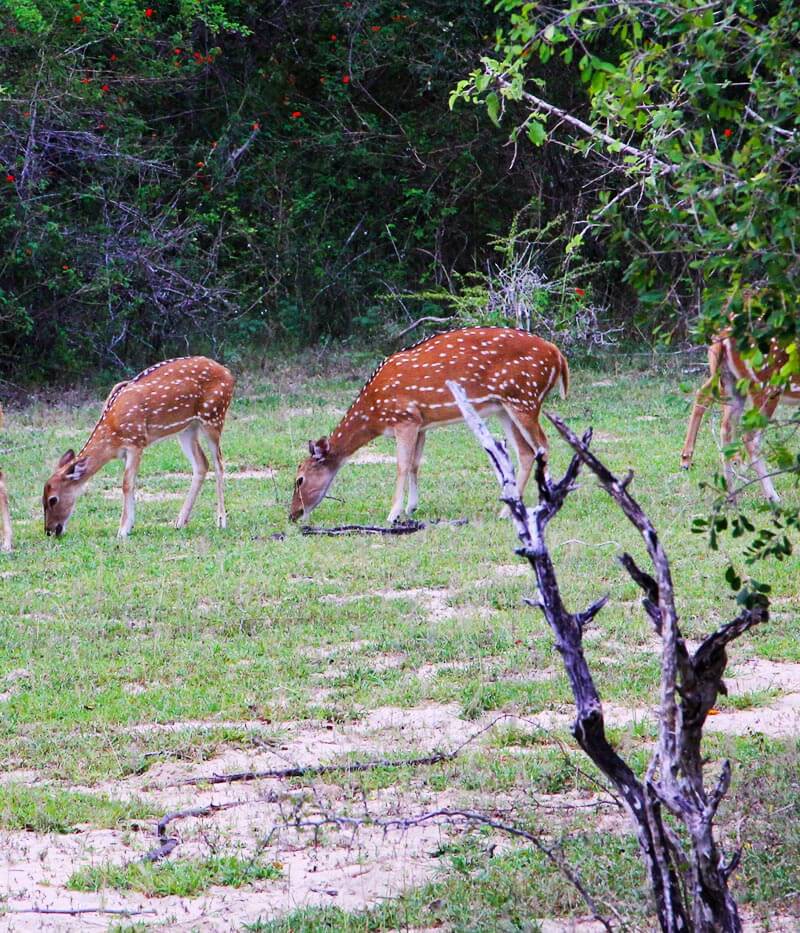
[537, 134]
[493, 108]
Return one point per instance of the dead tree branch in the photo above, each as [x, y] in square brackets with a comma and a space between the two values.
[399, 528]
[690, 890]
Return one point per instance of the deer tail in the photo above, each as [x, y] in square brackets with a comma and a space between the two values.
[563, 376]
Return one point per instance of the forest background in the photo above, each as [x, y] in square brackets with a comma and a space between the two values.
[237, 176]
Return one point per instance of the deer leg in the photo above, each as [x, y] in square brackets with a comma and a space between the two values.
[194, 453]
[413, 476]
[5, 516]
[526, 423]
[212, 435]
[525, 456]
[731, 416]
[406, 437]
[752, 443]
[702, 401]
[133, 457]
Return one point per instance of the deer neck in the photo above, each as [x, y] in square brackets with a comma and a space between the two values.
[353, 431]
[99, 450]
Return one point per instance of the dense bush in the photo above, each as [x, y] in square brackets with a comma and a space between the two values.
[189, 172]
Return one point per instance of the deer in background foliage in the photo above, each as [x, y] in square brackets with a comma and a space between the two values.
[188, 397]
[504, 371]
[5, 515]
[727, 367]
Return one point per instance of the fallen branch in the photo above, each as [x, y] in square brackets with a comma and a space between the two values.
[166, 844]
[399, 528]
[317, 770]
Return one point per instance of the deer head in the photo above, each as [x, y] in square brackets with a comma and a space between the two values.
[314, 477]
[61, 492]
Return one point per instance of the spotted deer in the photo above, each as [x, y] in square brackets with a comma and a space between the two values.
[5, 515]
[726, 368]
[504, 371]
[188, 397]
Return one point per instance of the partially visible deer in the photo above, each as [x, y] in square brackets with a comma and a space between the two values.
[504, 371]
[726, 368]
[5, 515]
[188, 397]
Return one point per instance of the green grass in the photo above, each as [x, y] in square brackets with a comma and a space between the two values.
[222, 626]
[182, 877]
[495, 892]
[52, 810]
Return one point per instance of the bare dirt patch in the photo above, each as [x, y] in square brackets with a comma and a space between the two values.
[513, 570]
[297, 412]
[433, 600]
[352, 870]
[751, 674]
[13, 682]
[233, 475]
[370, 457]
[336, 866]
[144, 496]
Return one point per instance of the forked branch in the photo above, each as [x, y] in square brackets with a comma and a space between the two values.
[690, 888]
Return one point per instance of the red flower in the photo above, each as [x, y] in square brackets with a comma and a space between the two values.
[296, 113]
[65, 268]
[85, 80]
[112, 57]
[256, 126]
[105, 88]
[149, 12]
[77, 18]
[375, 28]
[10, 178]
[580, 292]
[198, 56]
[200, 164]
[727, 133]
[347, 6]
[345, 79]
[177, 51]
[101, 126]
[333, 37]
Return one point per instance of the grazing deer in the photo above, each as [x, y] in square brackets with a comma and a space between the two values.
[5, 515]
[504, 371]
[187, 397]
[727, 367]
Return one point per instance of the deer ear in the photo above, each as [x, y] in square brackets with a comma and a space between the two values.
[78, 469]
[319, 449]
[66, 458]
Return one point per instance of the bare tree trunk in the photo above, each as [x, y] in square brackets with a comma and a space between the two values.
[690, 889]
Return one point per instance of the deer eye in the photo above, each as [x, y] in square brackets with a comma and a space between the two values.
[53, 500]
[299, 482]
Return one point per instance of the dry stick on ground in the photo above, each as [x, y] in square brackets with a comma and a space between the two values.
[690, 887]
[167, 844]
[448, 815]
[318, 770]
[399, 528]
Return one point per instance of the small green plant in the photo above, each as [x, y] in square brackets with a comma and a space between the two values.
[51, 810]
[182, 878]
